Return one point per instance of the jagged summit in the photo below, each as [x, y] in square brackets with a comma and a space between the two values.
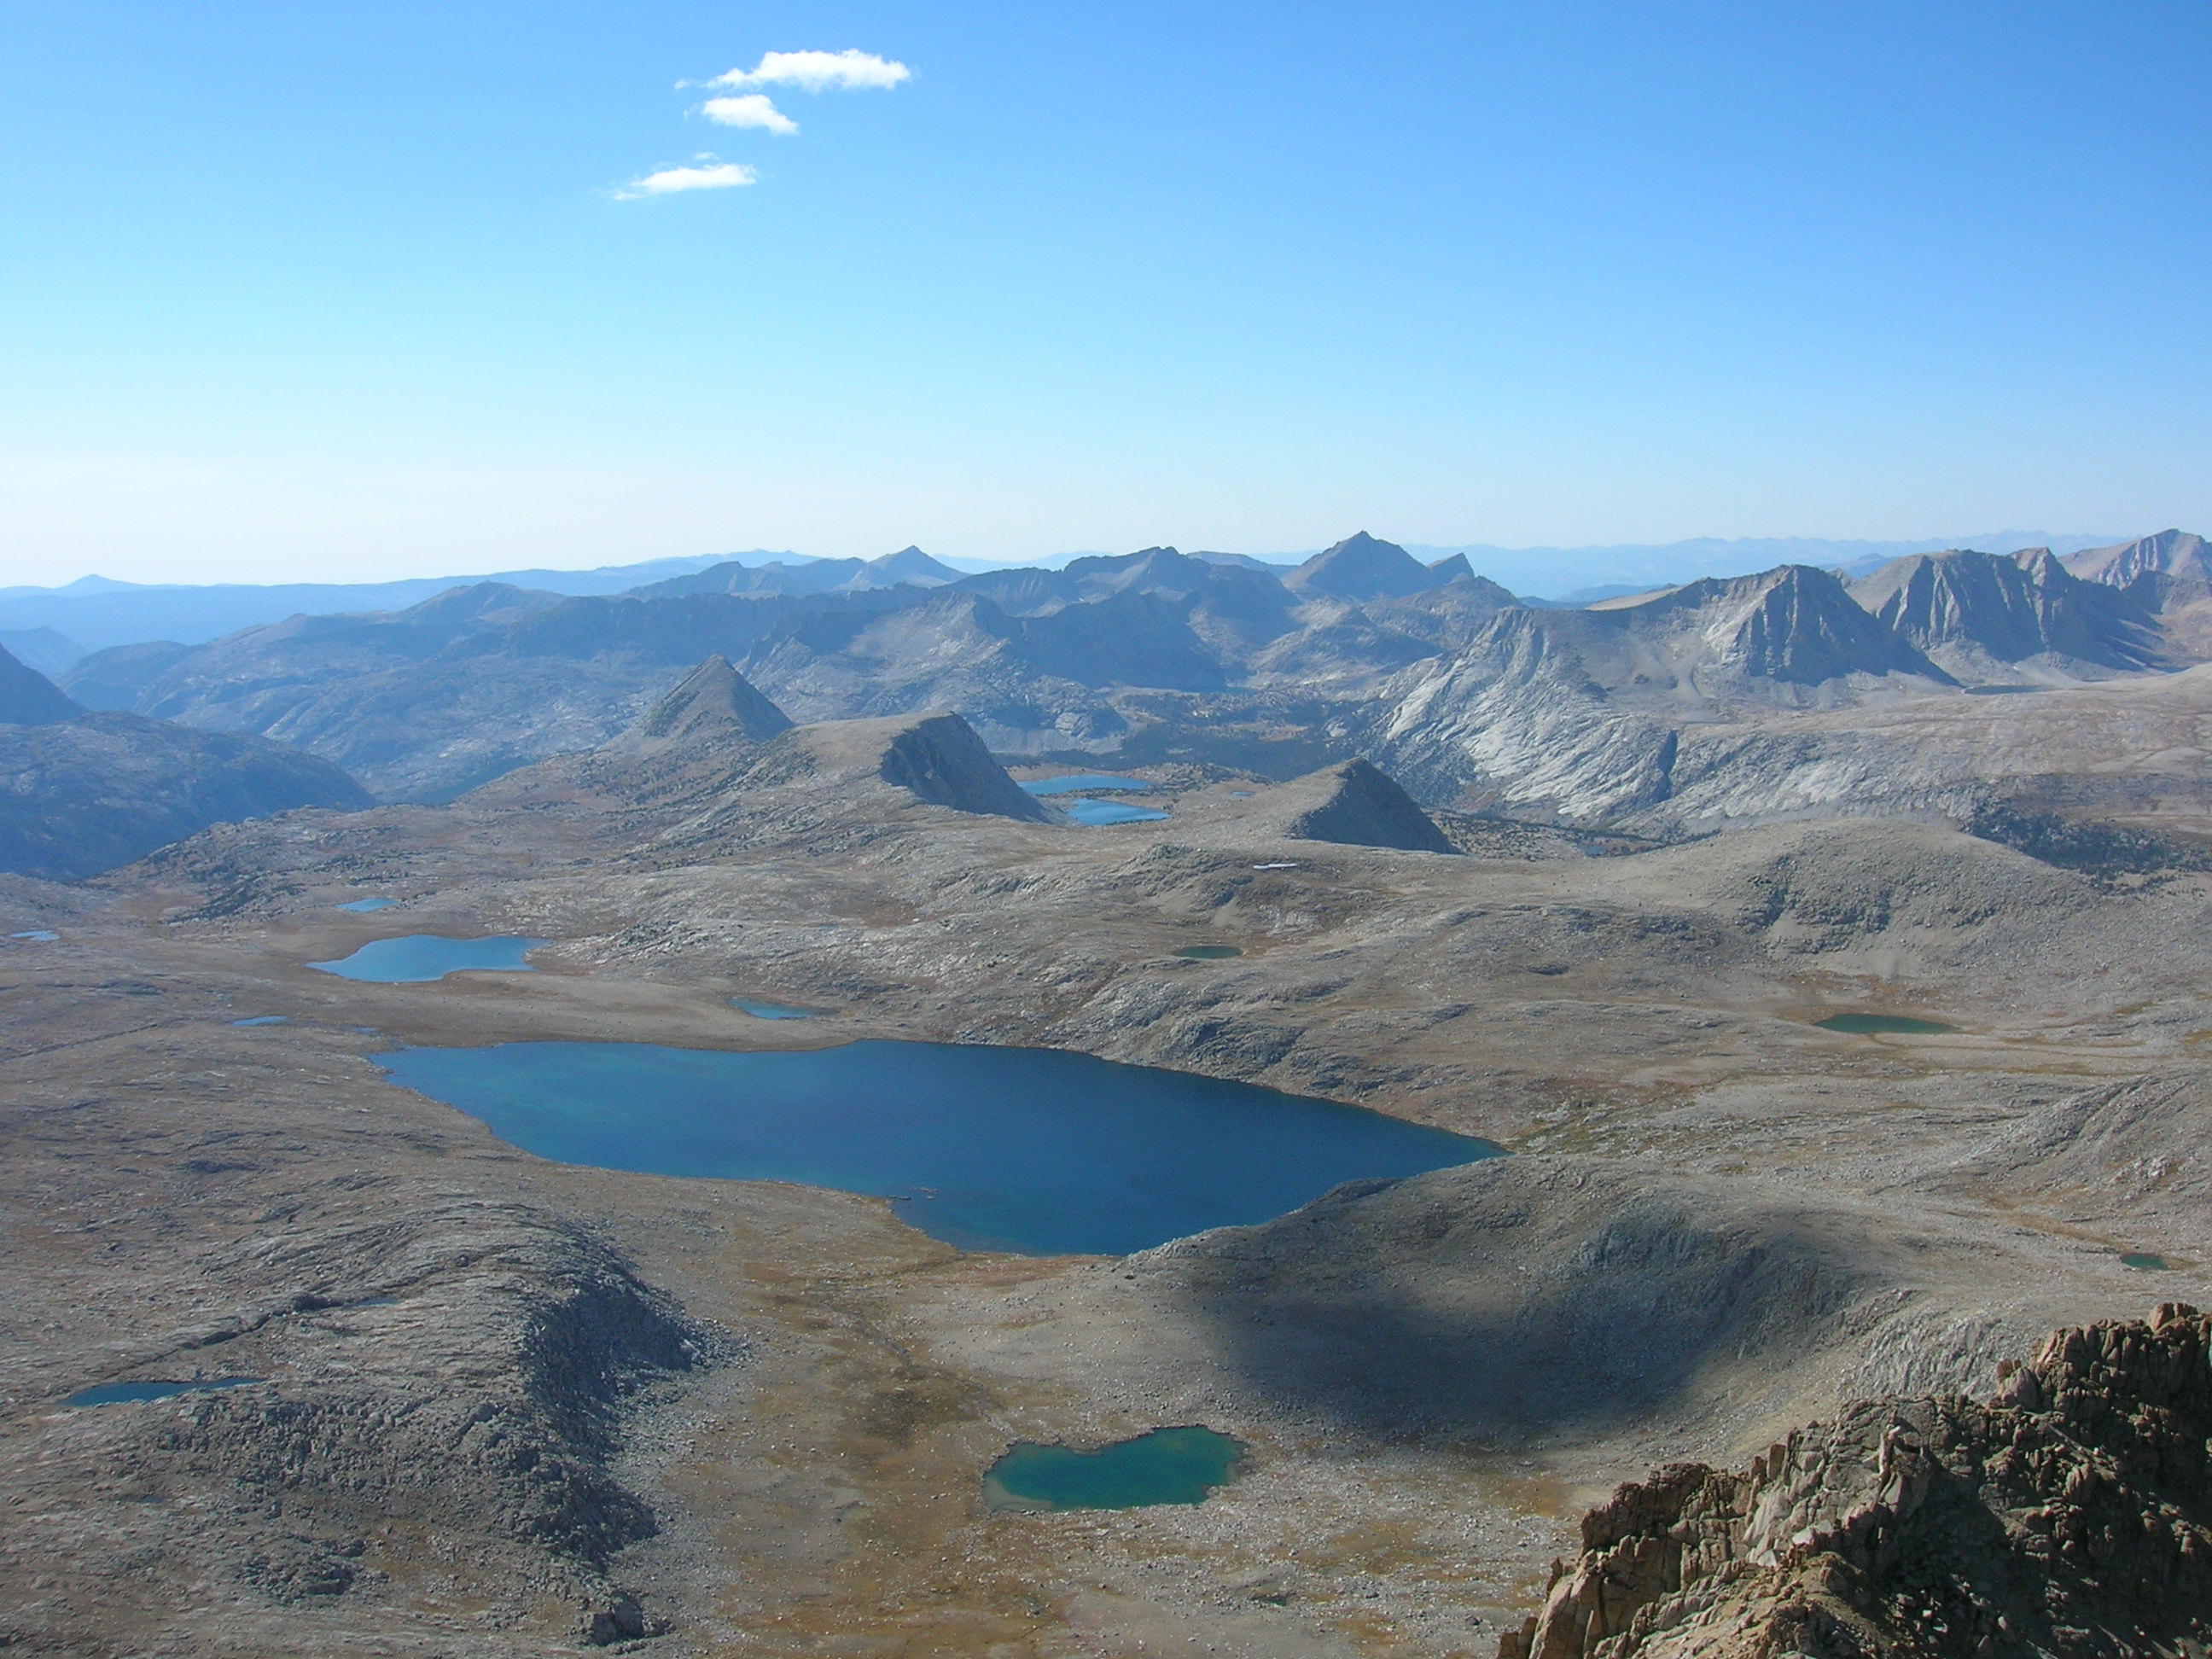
[1354, 803]
[1978, 615]
[1361, 567]
[713, 704]
[2070, 1514]
[28, 697]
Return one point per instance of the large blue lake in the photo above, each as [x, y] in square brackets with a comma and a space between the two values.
[417, 957]
[1026, 1150]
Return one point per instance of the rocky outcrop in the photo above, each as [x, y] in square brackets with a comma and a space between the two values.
[714, 706]
[1353, 802]
[82, 795]
[1984, 618]
[2070, 1515]
[932, 759]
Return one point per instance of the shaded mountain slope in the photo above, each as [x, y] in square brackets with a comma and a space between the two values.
[83, 795]
[2169, 574]
[2071, 1514]
[28, 697]
[1567, 1296]
[83, 791]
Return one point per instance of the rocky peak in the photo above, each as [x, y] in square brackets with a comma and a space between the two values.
[2174, 554]
[1961, 607]
[909, 565]
[714, 704]
[2070, 1514]
[1795, 623]
[28, 697]
[1357, 803]
[1361, 567]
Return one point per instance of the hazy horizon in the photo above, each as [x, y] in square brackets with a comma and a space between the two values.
[356, 293]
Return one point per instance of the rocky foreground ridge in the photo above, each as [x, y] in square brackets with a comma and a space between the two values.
[2070, 1515]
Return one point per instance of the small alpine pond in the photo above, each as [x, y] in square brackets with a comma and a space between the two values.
[362, 907]
[1076, 783]
[1111, 811]
[1168, 1466]
[414, 957]
[1033, 1151]
[2143, 1260]
[760, 1010]
[133, 1393]
[1211, 952]
[1867, 1025]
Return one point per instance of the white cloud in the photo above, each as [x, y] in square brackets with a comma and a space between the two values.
[754, 109]
[706, 174]
[817, 71]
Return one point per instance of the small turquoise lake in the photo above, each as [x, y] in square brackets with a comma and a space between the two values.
[366, 906]
[760, 1010]
[1168, 1466]
[1111, 811]
[138, 1394]
[1031, 1150]
[414, 957]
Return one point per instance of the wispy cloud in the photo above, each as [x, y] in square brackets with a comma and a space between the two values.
[754, 109]
[818, 71]
[705, 173]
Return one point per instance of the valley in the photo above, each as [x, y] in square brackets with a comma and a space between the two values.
[1830, 961]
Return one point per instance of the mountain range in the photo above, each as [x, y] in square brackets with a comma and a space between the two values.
[1575, 713]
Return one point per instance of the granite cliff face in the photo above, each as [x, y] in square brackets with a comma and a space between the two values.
[2070, 1515]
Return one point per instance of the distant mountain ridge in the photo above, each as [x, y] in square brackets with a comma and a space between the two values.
[1474, 699]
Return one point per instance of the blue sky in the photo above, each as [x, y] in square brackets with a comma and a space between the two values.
[355, 290]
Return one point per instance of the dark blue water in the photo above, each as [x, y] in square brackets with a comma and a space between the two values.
[261, 1020]
[770, 1010]
[1168, 1466]
[1028, 1150]
[1077, 782]
[1110, 811]
[362, 907]
[417, 957]
[131, 1393]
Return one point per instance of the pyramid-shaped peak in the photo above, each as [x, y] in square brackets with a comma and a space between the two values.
[1353, 802]
[1362, 567]
[714, 704]
[911, 564]
[933, 757]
